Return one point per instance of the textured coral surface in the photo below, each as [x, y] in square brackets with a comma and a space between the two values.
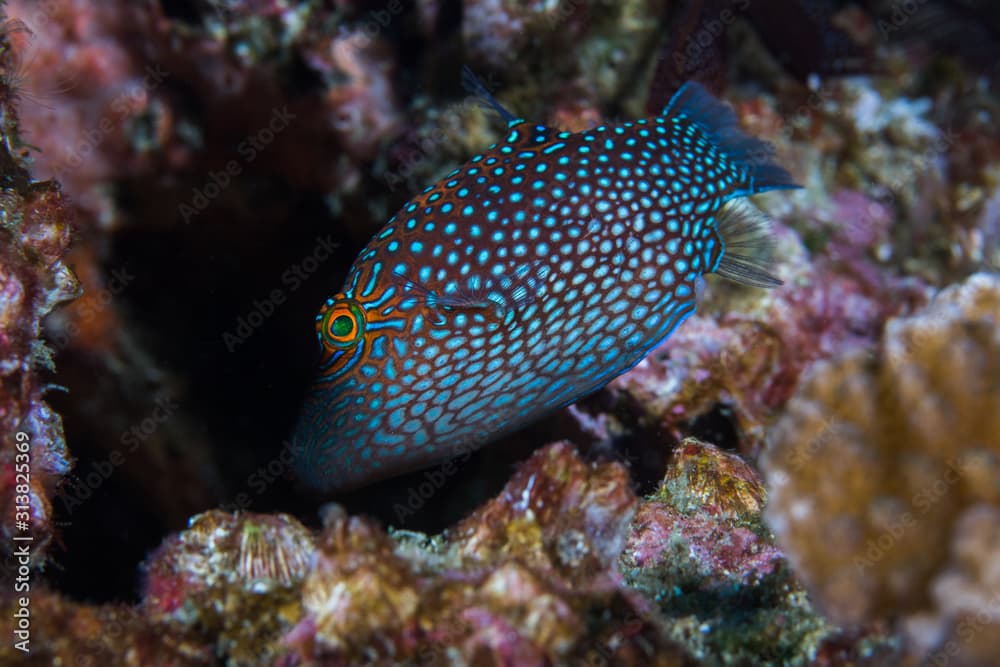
[35, 230]
[885, 470]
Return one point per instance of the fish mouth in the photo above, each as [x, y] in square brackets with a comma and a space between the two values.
[313, 447]
[330, 457]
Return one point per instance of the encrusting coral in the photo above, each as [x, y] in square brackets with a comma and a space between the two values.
[231, 579]
[699, 547]
[529, 578]
[885, 469]
[532, 577]
[36, 225]
[202, 146]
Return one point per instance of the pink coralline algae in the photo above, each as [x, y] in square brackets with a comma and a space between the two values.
[89, 98]
[35, 230]
[565, 566]
[520, 581]
[699, 548]
[747, 348]
[362, 108]
[703, 523]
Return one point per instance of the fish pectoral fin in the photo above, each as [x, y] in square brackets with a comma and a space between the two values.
[745, 233]
[505, 293]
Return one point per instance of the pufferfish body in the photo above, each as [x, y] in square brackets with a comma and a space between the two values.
[525, 279]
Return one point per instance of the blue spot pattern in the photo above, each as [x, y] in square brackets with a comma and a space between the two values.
[523, 280]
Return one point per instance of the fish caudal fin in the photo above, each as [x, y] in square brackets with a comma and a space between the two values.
[744, 231]
[752, 157]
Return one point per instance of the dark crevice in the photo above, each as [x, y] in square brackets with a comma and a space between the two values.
[182, 10]
[717, 426]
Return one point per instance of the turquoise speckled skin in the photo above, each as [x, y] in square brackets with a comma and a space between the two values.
[523, 280]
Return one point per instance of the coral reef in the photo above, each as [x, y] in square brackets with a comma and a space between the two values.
[529, 578]
[746, 350]
[699, 547]
[36, 225]
[231, 580]
[66, 632]
[222, 161]
[532, 577]
[885, 469]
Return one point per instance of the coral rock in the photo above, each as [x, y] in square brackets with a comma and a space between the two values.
[232, 579]
[699, 548]
[530, 578]
[71, 633]
[556, 511]
[35, 230]
[705, 478]
[359, 593]
[876, 468]
[702, 527]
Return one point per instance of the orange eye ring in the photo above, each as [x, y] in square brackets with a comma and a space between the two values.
[342, 325]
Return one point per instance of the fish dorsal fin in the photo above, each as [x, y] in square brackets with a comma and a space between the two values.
[745, 233]
[753, 157]
[473, 86]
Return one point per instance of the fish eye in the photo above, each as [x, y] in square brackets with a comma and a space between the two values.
[341, 324]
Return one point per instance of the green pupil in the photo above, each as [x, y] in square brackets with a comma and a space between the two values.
[342, 325]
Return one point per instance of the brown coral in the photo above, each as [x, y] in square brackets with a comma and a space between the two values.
[879, 462]
[704, 478]
[528, 579]
[63, 632]
[35, 231]
[232, 580]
